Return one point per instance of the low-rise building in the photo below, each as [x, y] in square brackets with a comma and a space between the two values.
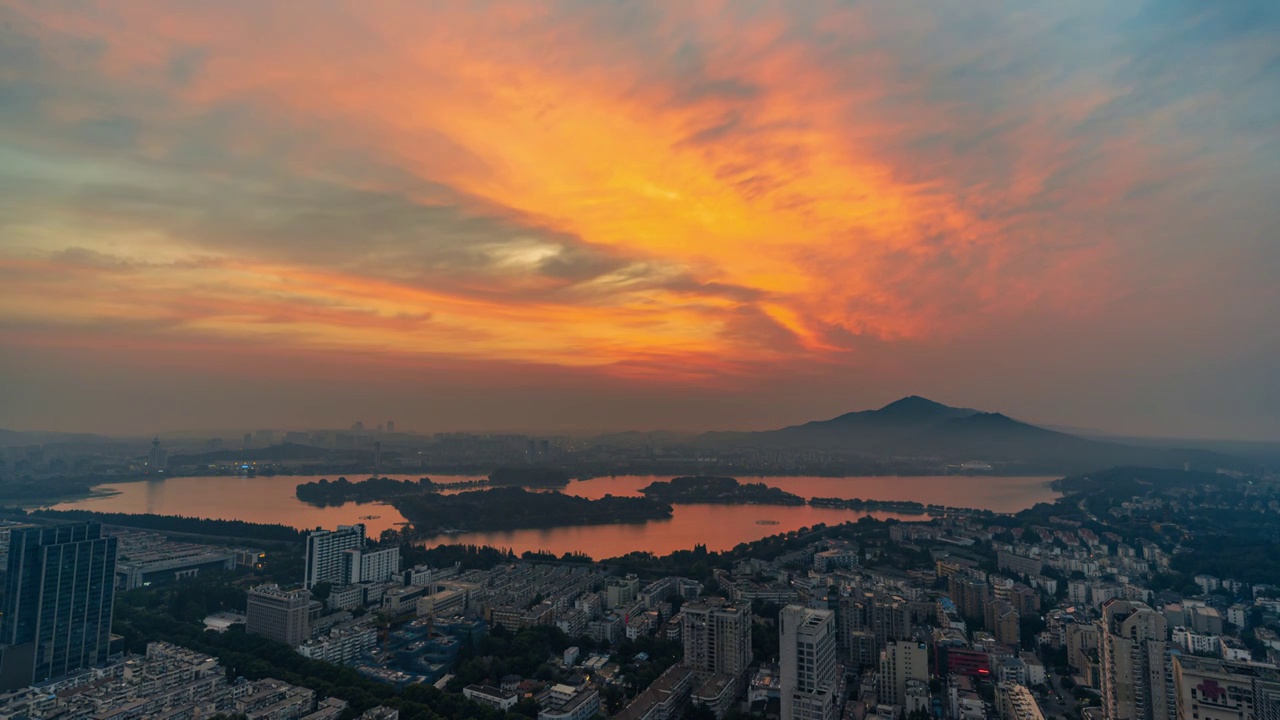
[1015, 702]
[342, 645]
[566, 702]
[496, 698]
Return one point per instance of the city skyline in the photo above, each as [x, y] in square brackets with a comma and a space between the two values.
[634, 217]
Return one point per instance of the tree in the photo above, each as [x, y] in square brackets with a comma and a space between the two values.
[699, 712]
[321, 590]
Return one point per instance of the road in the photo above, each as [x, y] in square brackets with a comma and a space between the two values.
[1050, 706]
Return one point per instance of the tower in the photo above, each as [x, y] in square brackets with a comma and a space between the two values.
[158, 458]
[59, 593]
[808, 663]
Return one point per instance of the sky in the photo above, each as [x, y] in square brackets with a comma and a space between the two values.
[575, 216]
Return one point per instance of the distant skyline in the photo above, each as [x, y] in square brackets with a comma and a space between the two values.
[579, 216]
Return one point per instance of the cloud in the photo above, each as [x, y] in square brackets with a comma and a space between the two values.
[694, 192]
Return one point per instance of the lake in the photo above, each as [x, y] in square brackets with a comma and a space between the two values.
[719, 527]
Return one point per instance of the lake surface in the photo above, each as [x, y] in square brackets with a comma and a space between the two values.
[719, 527]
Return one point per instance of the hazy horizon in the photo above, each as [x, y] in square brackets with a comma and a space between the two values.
[233, 432]
[630, 216]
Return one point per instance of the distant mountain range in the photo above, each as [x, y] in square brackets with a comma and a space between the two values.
[917, 427]
[14, 438]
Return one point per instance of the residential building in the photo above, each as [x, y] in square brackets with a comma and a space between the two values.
[664, 699]
[341, 645]
[717, 648]
[717, 637]
[360, 565]
[326, 561]
[900, 661]
[1015, 702]
[1134, 661]
[1211, 689]
[808, 673]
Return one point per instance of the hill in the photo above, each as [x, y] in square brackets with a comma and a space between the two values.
[916, 427]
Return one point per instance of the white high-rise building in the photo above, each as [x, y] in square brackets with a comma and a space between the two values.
[900, 661]
[326, 561]
[370, 565]
[1136, 670]
[809, 674]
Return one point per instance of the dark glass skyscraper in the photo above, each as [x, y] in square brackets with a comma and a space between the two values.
[58, 599]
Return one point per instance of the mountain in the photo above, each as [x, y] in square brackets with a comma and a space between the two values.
[864, 431]
[916, 427]
[12, 438]
[909, 411]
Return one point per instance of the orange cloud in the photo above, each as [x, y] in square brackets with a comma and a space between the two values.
[677, 191]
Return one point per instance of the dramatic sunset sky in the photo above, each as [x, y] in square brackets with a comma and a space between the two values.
[630, 215]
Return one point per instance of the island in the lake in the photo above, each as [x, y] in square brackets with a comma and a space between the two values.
[323, 493]
[514, 508]
[718, 490]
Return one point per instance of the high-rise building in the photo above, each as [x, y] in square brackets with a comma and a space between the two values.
[970, 593]
[1133, 645]
[717, 648]
[369, 565]
[391, 426]
[808, 663]
[281, 615]
[325, 559]
[717, 637]
[900, 662]
[58, 599]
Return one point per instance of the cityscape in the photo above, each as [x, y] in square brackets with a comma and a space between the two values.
[583, 360]
[1133, 592]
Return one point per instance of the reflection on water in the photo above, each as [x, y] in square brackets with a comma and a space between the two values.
[719, 527]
